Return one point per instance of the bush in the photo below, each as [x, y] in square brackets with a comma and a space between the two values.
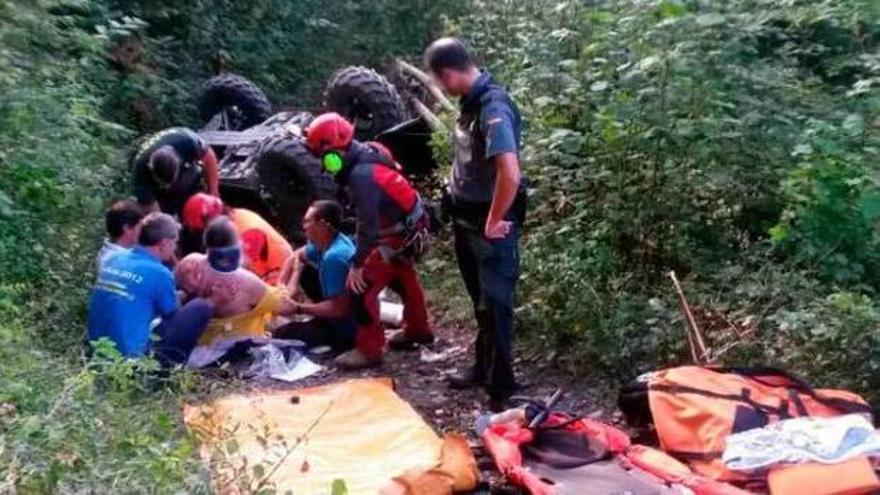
[836, 338]
[733, 142]
[79, 81]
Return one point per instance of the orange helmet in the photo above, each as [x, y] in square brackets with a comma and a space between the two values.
[199, 209]
[329, 131]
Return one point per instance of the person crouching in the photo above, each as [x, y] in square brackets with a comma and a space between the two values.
[250, 304]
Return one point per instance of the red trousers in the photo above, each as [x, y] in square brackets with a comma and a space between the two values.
[402, 278]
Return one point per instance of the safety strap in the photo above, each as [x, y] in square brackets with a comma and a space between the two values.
[365, 153]
[411, 218]
[415, 241]
[798, 383]
[744, 397]
[842, 405]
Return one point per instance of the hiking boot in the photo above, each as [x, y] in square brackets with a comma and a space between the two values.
[400, 341]
[465, 379]
[498, 405]
[499, 399]
[355, 360]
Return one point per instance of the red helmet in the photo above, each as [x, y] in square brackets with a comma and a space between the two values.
[199, 209]
[329, 131]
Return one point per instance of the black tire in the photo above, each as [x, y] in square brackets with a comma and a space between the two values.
[290, 178]
[244, 102]
[367, 99]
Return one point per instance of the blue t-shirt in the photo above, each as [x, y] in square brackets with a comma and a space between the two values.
[132, 289]
[333, 265]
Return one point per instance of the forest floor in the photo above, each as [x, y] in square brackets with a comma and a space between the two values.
[420, 379]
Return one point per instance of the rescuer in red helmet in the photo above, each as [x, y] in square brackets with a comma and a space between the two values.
[391, 236]
[265, 251]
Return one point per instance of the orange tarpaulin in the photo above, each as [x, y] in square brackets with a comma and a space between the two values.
[358, 431]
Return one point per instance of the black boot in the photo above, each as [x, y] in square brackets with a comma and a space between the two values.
[468, 378]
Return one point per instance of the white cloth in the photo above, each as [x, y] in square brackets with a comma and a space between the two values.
[205, 355]
[823, 440]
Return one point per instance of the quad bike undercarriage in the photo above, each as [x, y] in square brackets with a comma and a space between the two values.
[264, 164]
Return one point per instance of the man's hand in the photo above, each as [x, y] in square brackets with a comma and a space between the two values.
[497, 229]
[356, 282]
[507, 179]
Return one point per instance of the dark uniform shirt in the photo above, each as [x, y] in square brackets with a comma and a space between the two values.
[490, 124]
[191, 148]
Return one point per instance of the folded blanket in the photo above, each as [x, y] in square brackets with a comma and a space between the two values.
[823, 440]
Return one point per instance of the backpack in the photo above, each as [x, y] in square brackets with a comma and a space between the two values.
[693, 409]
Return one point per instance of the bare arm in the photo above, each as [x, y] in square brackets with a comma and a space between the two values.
[212, 173]
[292, 271]
[337, 307]
[507, 177]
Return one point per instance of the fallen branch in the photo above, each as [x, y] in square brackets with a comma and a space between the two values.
[262, 483]
[699, 353]
[432, 120]
[426, 81]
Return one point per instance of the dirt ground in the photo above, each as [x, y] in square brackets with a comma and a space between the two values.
[420, 379]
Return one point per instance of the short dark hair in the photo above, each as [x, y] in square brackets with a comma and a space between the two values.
[220, 233]
[157, 227]
[448, 53]
[165, 164]
[121, 214]
[329, 211]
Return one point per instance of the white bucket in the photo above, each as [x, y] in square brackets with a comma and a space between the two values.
[391, 313]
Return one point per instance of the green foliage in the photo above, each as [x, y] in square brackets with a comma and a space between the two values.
[290, 49]
[836, 336]
[735, 142]
[79, 80]
[689, 136]
[67, 428]
[832, 200]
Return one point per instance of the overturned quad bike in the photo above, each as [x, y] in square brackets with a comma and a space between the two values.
[264, 163]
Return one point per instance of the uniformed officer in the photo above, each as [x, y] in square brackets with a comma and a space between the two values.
[171, 166]
[486, 200]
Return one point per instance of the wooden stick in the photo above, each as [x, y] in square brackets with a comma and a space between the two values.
[433, 121]
[426, 81]
[695, 337]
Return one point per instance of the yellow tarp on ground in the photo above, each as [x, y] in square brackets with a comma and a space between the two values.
[366, 436]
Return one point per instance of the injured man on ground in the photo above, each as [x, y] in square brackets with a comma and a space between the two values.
[253, 311]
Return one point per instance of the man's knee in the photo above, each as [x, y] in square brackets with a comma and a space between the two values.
[198, 312]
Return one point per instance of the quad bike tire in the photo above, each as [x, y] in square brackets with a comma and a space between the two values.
[230, 91]
[290, 178]
[367, 99]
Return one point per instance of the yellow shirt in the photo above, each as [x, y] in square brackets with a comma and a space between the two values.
[250, 324]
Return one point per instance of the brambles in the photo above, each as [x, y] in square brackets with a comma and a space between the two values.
[734, 142]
